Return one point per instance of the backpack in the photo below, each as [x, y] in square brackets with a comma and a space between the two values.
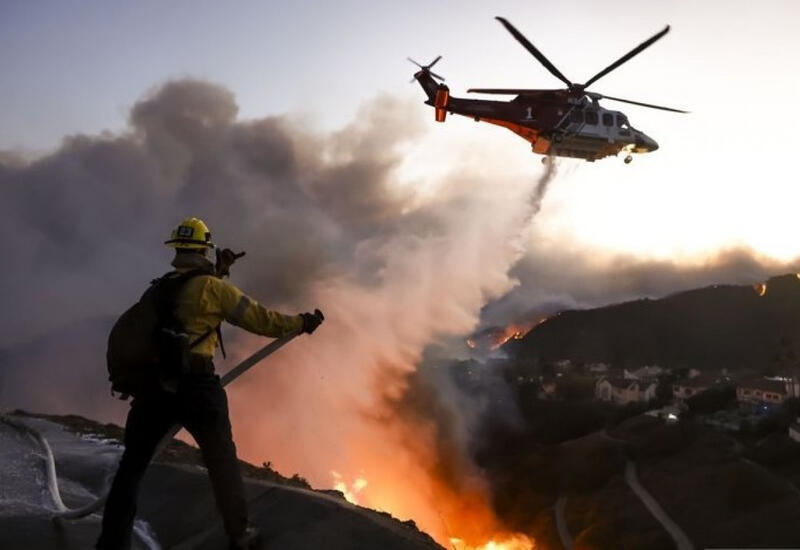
[148, 346]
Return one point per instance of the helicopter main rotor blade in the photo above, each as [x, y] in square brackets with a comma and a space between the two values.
[532, 49]
[635, 51]
[509, 91]
[434, 62]
[650, 105]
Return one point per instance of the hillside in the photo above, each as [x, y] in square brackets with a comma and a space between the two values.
[176, 507]
[702, 478]
[721, 326]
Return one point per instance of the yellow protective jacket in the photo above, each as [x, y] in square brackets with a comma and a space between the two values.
[206, 300]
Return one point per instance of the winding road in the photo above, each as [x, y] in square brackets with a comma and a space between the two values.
[682, 541]
[561, 524]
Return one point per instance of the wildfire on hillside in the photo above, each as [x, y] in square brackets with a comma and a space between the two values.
[512, 542]
[350, 491]
[458, 518]
[493, 338]
[512, 331]
[761, 288]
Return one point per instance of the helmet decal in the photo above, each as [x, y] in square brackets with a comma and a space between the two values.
[186, 232]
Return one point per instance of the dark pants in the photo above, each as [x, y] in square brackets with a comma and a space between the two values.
[201, 406]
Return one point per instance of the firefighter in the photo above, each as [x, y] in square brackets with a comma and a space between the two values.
[196, 399]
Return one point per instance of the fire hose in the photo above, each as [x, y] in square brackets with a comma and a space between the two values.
[62, 511]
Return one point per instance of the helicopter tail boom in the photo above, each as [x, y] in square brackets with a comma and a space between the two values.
[429, 85]
[438, 94]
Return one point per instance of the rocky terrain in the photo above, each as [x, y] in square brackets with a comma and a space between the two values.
[176, 508]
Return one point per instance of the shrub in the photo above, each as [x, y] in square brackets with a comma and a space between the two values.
[712, 400]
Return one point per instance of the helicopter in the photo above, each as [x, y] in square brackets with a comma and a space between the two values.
[568, 122]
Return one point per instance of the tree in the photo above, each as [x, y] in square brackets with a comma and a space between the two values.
[712, 400]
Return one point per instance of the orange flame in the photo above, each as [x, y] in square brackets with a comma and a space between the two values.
[412, 482]
[511, 331]
[351, 491]
[494, 338]
[515, 331]
[511, 542]
[372, 454]
[760, 288]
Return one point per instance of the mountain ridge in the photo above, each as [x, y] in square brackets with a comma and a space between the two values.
[718, 326]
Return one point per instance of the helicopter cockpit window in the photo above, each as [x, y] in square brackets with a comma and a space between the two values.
[622, 121]
[592, 117]
[576, 115]
[608, 119]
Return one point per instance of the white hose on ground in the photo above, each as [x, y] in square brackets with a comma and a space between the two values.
[62, 511]
[140, 529]
[50, 466]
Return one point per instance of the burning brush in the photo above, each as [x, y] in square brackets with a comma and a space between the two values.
[493, 338]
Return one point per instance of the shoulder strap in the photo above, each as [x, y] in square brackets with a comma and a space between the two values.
[165, 291]
[208, 333]
[221, 343]
[181, 278]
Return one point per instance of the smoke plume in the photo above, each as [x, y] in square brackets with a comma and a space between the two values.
[325, 222]
[555, 277]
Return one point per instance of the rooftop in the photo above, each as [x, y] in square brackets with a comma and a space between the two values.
[763, 384]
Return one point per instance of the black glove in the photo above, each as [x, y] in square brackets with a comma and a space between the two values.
[312, 320]
[225, 259]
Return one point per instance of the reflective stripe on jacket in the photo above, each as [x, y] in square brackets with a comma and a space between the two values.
[206, 301]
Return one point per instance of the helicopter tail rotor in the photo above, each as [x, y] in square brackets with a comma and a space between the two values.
[427, 68]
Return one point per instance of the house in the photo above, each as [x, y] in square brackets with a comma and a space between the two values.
[794, 430]
[597, 368]
[689, 387]
[547, 388]
[563, 366]
[623, 391]
[644, 373]
[761, 391]
[791, 378]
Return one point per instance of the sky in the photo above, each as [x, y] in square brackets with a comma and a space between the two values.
[723, 176]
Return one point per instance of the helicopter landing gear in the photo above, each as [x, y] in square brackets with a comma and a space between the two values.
[628, 159]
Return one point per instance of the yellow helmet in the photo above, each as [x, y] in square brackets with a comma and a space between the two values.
[191, 233]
